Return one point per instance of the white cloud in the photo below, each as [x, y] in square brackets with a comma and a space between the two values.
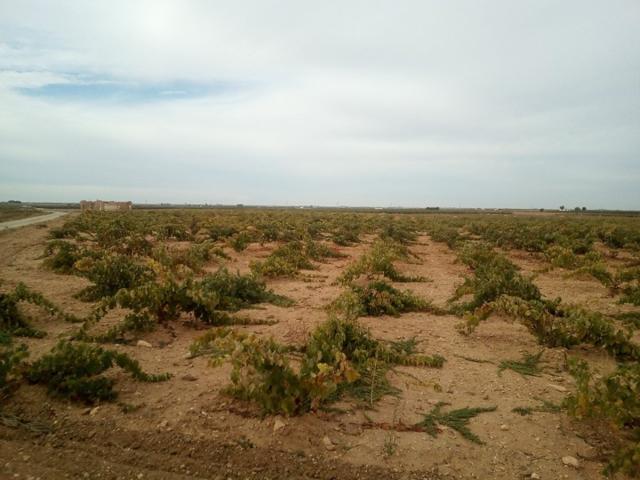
[477, 103]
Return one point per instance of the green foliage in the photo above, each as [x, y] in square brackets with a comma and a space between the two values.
[340, 358]
[221, 232]
[240, 241]
[615, 400]
[208, 300]
[630, 319]
[111, 273]
[194, 258]
[557, 325]
[378, 298]
[14, 323]
[493, 276]
[529, 365]
[173, 231]
[285, 261]
[74, 370]
[458, 420]
[379, 261]
[11, 358]
[545, 407]
[399, 233]
[629, 282]
[62, 256]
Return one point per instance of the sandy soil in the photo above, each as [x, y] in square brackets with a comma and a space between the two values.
[186, 428]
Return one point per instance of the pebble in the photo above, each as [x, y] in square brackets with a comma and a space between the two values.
[142, 343]
[278, 424]
[504, 426]
[328, 444]
[571, 461]
[558, 388]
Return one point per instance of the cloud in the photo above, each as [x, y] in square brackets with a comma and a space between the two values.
[473, 104]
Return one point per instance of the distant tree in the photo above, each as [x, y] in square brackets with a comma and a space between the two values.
[562, 208]
[542, 209]
[584, 209]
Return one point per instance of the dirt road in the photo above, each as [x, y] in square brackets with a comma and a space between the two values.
[31, 220]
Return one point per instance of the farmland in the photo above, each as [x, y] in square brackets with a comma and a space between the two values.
[260, 343]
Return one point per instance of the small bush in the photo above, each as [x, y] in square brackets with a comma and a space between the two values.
[207, 300]
[240, 241]
[62, 256]
[340, 358]
[557, 325]
[493, 276]
[74, 370]
[378, 298]
[110, 274]
[10, 362]
[13, 322]
[285, 261]
[615, 401]
[379, 261]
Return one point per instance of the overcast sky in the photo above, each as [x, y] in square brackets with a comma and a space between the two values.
[451, 103]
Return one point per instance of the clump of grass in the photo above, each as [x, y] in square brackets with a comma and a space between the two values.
[378, 298]
[529, 365]
[390, 445]
[458, 420]
[473, 359]
[545, 407]
[75, 371]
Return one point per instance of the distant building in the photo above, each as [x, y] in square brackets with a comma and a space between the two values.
[102, 206]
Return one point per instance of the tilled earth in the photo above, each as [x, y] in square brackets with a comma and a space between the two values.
[188, 428]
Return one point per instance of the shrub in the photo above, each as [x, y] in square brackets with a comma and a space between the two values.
[378, 298]
[615, 400]
[379, 261]
[493, 276]
[398, 233]
[285, 261]
[207, 300]
[62, 256]
[557, 325]
[629, 281]
[240, 241]
[74, 370]
[10, 362]
[221, 232]
[13, 322]
[110, 274]
[340, 358]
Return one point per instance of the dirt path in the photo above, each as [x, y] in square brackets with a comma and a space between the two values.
[23, 222]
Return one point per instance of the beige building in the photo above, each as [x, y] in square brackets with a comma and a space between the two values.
[102, 206]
